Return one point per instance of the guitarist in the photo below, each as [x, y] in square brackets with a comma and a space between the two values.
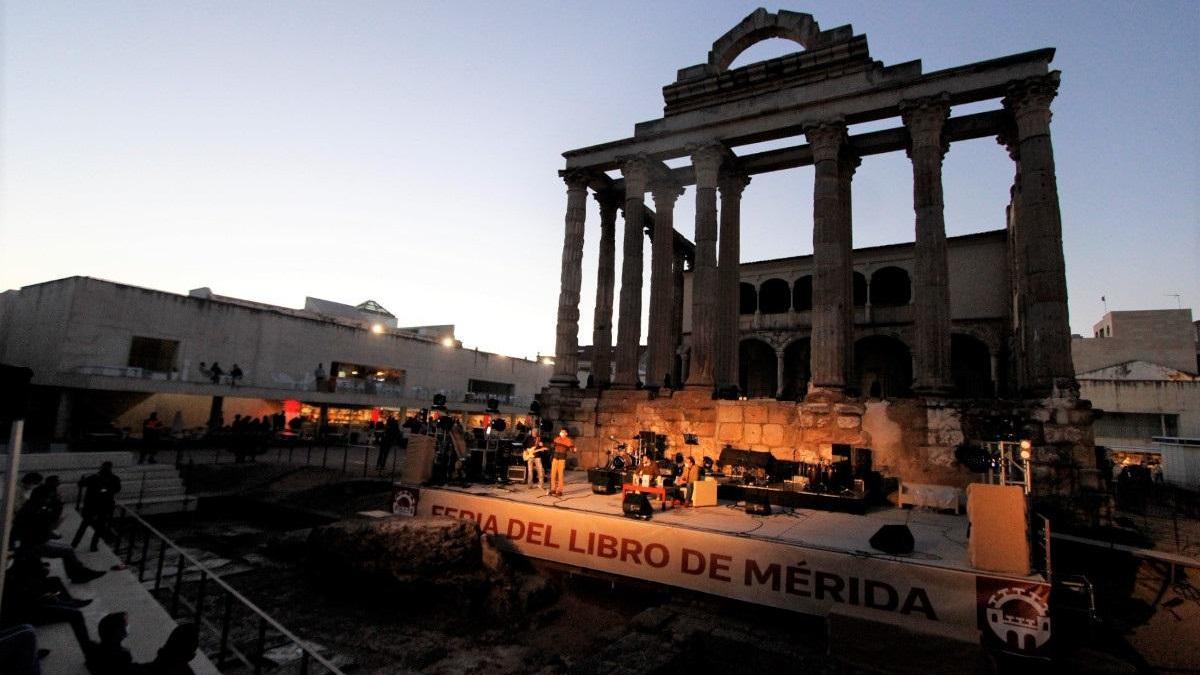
[533, 460]
[563, 446]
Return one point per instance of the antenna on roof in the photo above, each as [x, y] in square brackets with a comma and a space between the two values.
[1177, 296]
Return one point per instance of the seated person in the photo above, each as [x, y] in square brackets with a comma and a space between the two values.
[646, 468]
[26, 600]
[687, 480]
[109, 656]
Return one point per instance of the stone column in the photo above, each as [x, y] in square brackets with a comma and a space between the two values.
[831, 301]
[605, 283]
[660, 351]
[566, 346]
[1044, 332]
[848, 163]
[779, 373]
[706, 160]
[924, 119]
[629, 324]
[677, 316]
[731, 187]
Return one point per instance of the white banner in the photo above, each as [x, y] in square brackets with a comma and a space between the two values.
[815, 581]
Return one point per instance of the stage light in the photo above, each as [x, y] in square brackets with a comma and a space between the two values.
[377, 328]
[1026, 449]
[447, 342]
[548, 361]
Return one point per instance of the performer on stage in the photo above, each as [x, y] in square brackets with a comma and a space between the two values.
[558, 468]
[687, 480]
[647, 468]
[533, 460]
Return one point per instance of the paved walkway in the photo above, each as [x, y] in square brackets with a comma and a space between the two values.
[149, 623]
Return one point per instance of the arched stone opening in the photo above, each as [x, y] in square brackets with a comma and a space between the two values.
[747, 298]
[860, 290]
[890, 287]
[774, 296]
[756, 369]
[802, 294]
[971, 366]
[883, 367]
[796, 374]
[762, 25]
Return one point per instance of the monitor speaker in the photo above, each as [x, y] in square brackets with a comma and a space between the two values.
[636, 505]
[893, 539]
[758, 505]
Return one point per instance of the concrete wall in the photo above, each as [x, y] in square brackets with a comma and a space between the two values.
[1166, 337]
[58, 327]
[1155, 397]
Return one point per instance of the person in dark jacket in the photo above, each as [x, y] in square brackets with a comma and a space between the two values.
[177, 652]
[34, 526]
[99, 498]
[391, 435]
[27, 602]
[109, 656]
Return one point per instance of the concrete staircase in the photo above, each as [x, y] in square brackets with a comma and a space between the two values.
[148, 488]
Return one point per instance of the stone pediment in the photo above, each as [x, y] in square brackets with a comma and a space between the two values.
[826, 54]
[1138, 370]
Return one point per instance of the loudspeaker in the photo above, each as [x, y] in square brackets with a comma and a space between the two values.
[14, 392]
[862, 462]
[603, 482]
[439, 401]
[841, 450]
[758, 505]
[499, 424]
[493, 405]
[517, 473]
[535, 408]
[636, 505]
[893, 539]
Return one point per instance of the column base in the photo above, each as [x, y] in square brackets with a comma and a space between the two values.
[825, 394]
[934, 390]
[564, 382]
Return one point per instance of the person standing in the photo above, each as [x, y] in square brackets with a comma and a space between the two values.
[319, 374]
[215, 373]
[391, 434]
[563, 447]
[235, 375]
[533, 460]
[99, 499]
[151, 429]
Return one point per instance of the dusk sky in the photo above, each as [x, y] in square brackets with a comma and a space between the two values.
[407, 152]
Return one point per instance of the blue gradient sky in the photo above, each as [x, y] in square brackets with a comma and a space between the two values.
[406, 152]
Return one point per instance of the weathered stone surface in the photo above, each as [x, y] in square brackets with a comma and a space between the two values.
[398, 548]
[755, 413]
[729, 413]
[751, 433]
[848, 421]
[729, 432]
[772, 434]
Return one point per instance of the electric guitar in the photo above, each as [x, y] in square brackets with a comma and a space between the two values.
[532, 453]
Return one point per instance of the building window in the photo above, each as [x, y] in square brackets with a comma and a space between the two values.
[1141, 426]
[486, 388]
[774, 296]
[153, 354]
[890, 287]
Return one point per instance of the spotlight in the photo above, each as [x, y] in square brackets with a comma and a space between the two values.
[1026, 449]
[377, 328]
[447, 342]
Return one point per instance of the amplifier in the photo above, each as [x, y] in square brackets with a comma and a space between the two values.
[516, 473]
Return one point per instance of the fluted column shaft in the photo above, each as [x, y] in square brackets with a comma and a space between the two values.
[847, 165]
[1044, 331]
[831, 263]
[605, 284]
[629, 324]
[707, 164]
[728, 265]
[924, 120]
[660, 350]
[677, 316]
[566, 345]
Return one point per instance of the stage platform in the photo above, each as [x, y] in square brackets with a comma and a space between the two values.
[814, 562]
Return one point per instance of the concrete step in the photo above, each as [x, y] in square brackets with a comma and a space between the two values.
[162, 504]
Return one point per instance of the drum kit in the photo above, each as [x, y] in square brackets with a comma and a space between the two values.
[620, 458]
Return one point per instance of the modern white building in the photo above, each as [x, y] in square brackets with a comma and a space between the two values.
[108, 353]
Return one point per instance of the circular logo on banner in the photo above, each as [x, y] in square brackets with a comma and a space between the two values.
[1019, 617]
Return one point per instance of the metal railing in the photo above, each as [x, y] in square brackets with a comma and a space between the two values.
[348, 459]
[222, 614]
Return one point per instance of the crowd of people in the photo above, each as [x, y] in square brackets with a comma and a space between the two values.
[34, 597]
[215, 373]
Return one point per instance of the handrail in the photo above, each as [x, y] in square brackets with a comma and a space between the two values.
[263, 616]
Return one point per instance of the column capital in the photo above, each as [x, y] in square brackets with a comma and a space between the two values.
[1029, 102]
[665, 190]
[577, 179]
[636, 170]
[706, 162]
[609, 198]
[925, 118]
[825, 138]
[848, 162]
[731, 184]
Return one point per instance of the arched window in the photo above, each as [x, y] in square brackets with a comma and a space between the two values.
[802, 294]
[890, 287]
[756, 369]
[883, 367]
[747, 298]
[860, 290]
[795, 370]
[774, 296]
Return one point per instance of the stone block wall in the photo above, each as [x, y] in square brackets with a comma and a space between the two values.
[912, 439]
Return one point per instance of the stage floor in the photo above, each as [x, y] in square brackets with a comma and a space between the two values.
[941, 539]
